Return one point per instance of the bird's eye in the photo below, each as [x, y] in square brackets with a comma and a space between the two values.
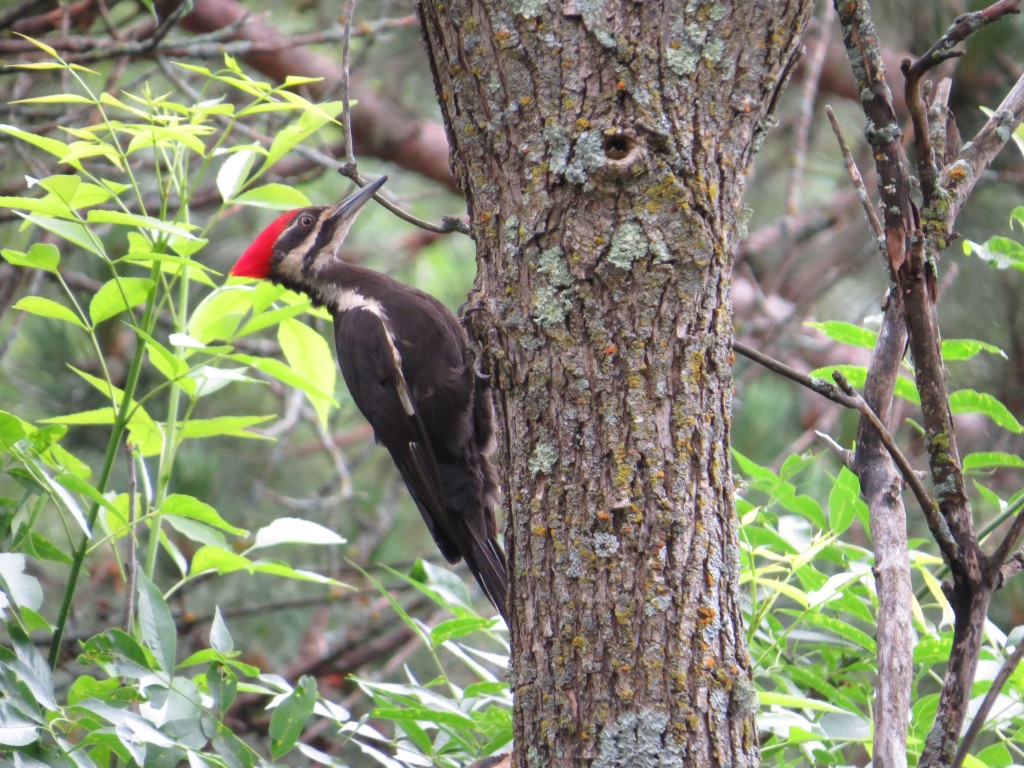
[307, 220]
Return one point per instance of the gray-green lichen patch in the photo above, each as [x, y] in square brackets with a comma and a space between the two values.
[550, 306]
[528, 9]
[605, 545]
[639, 740]
[685, 47]
[629, 243]
[558, 146]
[542, 459]
[588, 155]
[551, 264]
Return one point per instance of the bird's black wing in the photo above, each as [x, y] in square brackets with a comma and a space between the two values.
[450, 491]
[368, 361]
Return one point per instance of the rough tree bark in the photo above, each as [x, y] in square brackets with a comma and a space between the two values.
[602, 148]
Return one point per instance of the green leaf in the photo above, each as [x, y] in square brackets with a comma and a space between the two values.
[229, 426]
[847, 333]
[72, 231]
[56, 98]
[222, 683]
[984, 460]
[424, 715]
[93, 417]
[843, 630]
[971, 401]
[117, 296]
[313, 118]
[39, 256]
[183, 505]
[790, 701]
[147, 223]
[294, 530]
[16, 730]
[233, 173]
[235, 752]
[158, 630]
[998, 252]
[23, 588]
[290, 717]
[309, 355]
[282, 372]
[844, 502]
[114, 645]
[62, 186]
[279, 197]
[31, 668]
[456, 628]
[39, 305]
[172, 265]
[219, 314]
[220, 637]
[219, 559]
[268, 318]
[964, 349]
[45, 143]
[49, 206]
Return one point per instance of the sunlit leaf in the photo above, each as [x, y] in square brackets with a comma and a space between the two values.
[233, 173]
[39, 256]
[280, 197]
[971, 401]
[223, 426]
[43, 307]
[846, 333]
[309, 355]
[117, 296]
[191, 507]
[294, 530]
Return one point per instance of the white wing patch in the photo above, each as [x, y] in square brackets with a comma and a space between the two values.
[349, 299]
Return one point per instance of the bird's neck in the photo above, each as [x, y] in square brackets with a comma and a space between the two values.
[339, 288]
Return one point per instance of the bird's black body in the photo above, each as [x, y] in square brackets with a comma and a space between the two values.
[407, 363]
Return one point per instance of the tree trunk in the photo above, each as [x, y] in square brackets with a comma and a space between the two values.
[602, 149]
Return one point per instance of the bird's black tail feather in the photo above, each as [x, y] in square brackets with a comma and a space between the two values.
[488, 564]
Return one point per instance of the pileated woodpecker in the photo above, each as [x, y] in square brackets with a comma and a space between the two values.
[406, 361]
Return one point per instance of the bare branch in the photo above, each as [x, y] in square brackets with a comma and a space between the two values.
[845, 455]
[856, 178]
[959, 177]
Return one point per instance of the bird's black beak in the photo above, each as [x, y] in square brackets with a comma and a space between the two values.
[347, 208]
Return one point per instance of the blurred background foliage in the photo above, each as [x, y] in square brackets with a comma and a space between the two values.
[808, 257]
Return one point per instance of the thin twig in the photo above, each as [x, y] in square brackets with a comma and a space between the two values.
[845, 455]
[132, 564]
[79, 49]
[845, 395]
[346, 69]
[857, 179]
[981, 715]
[820, 386]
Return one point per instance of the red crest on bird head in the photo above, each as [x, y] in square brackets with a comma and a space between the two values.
[255, 262]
